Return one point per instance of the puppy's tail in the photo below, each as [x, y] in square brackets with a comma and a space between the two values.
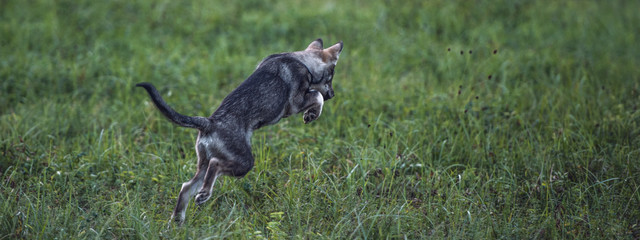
[199, 123]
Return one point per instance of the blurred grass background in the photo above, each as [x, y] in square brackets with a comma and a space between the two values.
[456, 119]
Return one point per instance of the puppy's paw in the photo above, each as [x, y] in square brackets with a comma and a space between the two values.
[175, 219]
[310, 115]
[202, 197]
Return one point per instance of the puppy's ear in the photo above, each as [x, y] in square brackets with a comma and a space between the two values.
[315, 45]
[335, 50]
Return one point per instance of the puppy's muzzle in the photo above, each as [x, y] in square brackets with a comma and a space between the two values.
[330, 94]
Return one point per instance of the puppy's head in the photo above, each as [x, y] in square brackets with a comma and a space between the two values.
[321, 63]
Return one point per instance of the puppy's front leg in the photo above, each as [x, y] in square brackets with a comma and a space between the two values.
[314, 101]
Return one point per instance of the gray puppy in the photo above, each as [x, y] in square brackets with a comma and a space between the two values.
[282, 85]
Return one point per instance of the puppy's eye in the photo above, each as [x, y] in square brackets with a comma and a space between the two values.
[330, 70]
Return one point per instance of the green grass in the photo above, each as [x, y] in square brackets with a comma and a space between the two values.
[419, 141]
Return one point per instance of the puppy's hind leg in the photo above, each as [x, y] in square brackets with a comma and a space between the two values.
[238, 166]
[213, 172]
[188, 189]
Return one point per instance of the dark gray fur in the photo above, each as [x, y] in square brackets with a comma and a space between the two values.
[282, 85]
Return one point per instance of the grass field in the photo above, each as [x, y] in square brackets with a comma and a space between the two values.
[452, 119]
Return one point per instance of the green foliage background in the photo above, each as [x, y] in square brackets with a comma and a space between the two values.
[456, 119]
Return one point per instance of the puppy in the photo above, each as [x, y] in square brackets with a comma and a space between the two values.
[282, 85]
